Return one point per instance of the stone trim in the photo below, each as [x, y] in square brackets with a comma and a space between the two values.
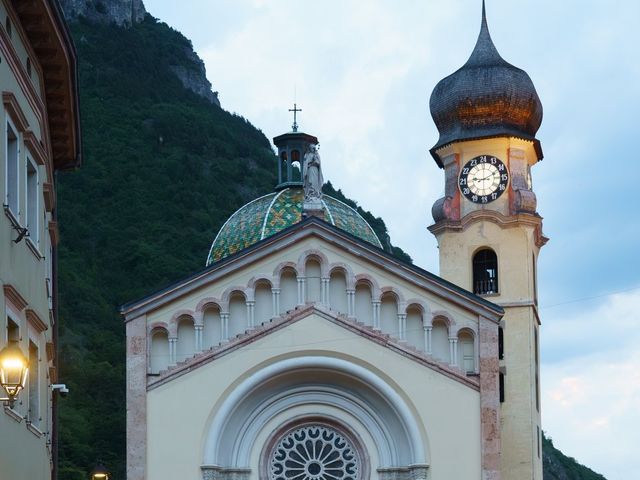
[16, 300]
[51, 351]
[491, 447]
[48, 191]
[35, 321]
[214, 472]
[14, 110]
[136, 376]
[35, 147]
[54, 232]
[412, 472]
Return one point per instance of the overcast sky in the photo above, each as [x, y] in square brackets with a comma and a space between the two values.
[363, 71]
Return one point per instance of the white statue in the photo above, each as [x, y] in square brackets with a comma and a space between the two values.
[312, 179]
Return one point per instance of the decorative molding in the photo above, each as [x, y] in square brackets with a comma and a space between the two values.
[13, 296]
[14, 415]
[48, 190]
[51, 351]
[35, 147]
[54, 232]
[53, 375]
[14, 109]
[35, 430]
[219, 473]
[412, 472]
[511, 221]
[35, 321]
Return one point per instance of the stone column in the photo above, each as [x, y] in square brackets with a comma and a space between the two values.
[427, 339]
[136, 371]
[198, 332]
[173, 341]
[301, 292]
[251, 304]
[198, 322]
[351, 303]
[324, 295]
[275, 300]
[224, 317]
[402, 326]
[453, 351]
[376, 314]
[489, 399]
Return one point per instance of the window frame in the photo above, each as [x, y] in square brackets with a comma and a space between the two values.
[33, 397]
[34, 233]
[8, 207]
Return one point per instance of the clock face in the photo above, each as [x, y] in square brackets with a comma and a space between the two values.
[483, 179]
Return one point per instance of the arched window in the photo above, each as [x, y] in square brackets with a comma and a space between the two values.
[485, 272]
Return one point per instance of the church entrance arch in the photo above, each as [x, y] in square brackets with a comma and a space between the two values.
[275, 413]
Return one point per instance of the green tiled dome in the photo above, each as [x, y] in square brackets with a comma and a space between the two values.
[266, 216]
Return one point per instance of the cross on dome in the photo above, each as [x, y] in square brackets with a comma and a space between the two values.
[295, 110]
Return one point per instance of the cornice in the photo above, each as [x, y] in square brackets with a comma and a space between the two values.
[15, 111]
[53, 232]
[48, 37]
[505, 221]
[13, 296]
[49, 193]
[35, 321]
[35, 147]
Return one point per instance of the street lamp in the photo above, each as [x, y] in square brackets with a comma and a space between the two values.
[100, 473]
[13, 371]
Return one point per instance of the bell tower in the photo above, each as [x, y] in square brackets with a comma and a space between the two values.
[488, 230]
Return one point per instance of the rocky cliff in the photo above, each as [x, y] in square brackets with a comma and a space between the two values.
[125, 13]
[119, 12]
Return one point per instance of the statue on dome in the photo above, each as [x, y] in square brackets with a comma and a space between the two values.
[312, 180]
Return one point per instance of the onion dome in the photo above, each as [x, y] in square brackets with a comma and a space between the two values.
[487, 97]
[266, 216]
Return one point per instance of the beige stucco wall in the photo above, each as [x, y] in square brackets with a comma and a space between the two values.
[179, 412]
[24, 453]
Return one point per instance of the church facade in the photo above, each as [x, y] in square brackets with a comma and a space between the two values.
[304, 351]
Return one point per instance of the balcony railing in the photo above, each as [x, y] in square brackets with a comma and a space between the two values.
[484, 287]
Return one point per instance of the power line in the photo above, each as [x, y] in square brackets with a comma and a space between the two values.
[575, 300]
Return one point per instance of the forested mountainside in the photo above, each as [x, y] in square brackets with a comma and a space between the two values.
[164, 167]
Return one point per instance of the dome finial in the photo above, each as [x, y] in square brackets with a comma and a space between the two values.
[485, 52]
[484, 16]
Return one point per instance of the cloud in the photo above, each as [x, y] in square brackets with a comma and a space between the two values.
[591, 409]
[600, 326]
[591, 383]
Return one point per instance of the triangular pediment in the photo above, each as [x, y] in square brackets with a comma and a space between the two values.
[330, 237]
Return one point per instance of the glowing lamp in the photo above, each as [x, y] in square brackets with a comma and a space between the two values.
[100, 473]
[14, 367]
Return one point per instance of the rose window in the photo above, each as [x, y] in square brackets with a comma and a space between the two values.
[314, 452]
